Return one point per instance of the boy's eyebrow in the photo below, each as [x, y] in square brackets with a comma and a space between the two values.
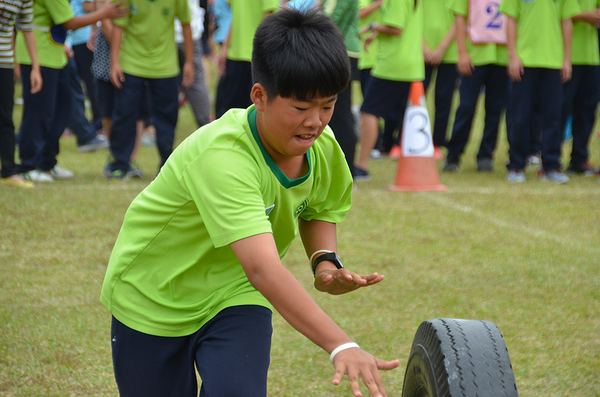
[314, 100]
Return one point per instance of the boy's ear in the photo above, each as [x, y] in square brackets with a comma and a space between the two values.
[258, 94]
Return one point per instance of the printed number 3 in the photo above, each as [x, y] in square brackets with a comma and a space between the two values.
[494, 22]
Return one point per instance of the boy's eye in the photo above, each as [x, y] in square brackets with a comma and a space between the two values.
[299, 108]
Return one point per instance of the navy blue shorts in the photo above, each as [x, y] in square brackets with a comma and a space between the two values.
[232, 353]
[386, 98]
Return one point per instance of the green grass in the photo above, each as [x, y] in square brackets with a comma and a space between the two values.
[525, 257]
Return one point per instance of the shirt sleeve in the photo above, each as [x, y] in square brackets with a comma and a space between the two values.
[396, 13]
[570, 9]
[511, 8]
[225, 186]
[60, 11]
[459, 7]
[26, 16]
[183, 11]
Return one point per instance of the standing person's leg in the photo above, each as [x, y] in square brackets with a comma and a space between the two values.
[470, 88]
[550, 99]
[7, 127]
[38, 111]
[342, 121]
[197, 93]
[83, 60]
[584, 117]
[234, 352]
[496, 99]
[60, 118]
[519, 117]
[233, 90]
[164, 109]
[78, 122]
[123, 126]
[445, 84]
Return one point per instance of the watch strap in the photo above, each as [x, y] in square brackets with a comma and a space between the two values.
[330, 256]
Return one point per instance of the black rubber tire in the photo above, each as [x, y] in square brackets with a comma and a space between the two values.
[459, 358]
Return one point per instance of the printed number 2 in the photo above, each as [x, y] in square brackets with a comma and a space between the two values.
[494, 22]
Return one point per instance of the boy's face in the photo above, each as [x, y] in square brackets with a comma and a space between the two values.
[288, 127]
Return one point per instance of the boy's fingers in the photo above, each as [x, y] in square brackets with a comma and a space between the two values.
[353, 379]
[386, 365]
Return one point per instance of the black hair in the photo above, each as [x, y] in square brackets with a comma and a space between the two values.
[300, 55]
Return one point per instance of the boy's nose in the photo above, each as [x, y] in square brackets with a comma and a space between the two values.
[313, 119]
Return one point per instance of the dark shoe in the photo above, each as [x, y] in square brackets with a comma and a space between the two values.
[585, 169]
[98, 142]
[485, 165]
[361, 175]
[450, 166]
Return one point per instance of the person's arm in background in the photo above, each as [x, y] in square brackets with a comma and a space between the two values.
[188, 46]
[515, 65]
[464, 66]
[567, 32]
[108, 10]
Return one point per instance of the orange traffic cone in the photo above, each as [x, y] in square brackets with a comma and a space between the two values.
[417, 167]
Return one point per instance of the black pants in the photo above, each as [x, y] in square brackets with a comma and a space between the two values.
[342, 122]
[233, 90]
[232, 353]
[7, 127]
[580, 97]
[541, 87]
[445, 82]
[495, 81]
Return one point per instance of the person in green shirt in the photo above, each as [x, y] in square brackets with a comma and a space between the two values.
[580, 94]
[539, 37]
[144, 59]
[399, 62]
[196, 269]
[46, 113]
[481, 65]
[236, 53]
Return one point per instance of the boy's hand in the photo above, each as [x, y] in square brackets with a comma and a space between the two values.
[112, 10]
[35, 78]
[188, 74]
[465, 66]
[117, 77]
[357, 363]
[515, 69]
[567, 71]
[341, 281]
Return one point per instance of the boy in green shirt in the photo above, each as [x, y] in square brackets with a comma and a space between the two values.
[399, 62]
[480, 65]
[539, 46]
[144, 59]
[196, 269]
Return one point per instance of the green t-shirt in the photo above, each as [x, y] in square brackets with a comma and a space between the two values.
[148, 45]
[438, 20]
[46, 13]
[172, 269]
[585, 38]
[481, 54]
[367, 58]
[344, 14]
[400, 58]
[539, 31]
[245, 18]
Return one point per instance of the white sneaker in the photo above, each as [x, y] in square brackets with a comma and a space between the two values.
[61, 173]
[37, 176]
[515, 176]
[555, 176]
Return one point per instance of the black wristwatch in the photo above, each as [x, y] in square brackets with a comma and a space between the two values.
[330, 256]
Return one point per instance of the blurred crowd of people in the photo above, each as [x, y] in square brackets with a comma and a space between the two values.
[135, 62]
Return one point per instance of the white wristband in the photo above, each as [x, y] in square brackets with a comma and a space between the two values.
[317, 253]
[340, 348]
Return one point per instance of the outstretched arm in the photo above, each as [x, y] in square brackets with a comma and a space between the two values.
[260, 260]
[319, 235]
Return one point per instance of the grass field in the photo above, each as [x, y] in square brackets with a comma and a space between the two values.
[525, 257]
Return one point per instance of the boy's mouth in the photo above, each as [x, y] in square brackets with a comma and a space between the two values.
[306, 137]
